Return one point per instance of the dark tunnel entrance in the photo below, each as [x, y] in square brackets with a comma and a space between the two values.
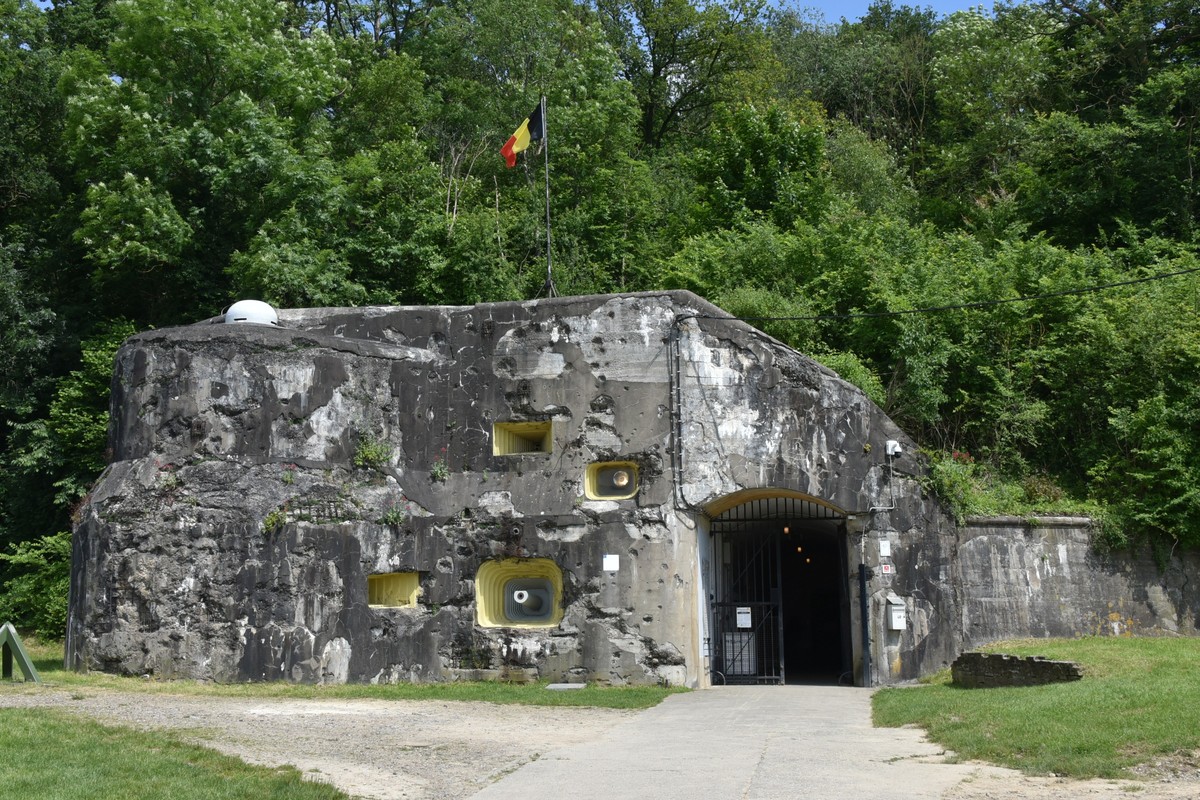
[815, 606]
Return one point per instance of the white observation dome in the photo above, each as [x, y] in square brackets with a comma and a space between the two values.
[254, 311]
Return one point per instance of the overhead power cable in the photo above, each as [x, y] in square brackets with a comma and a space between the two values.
[958, 306]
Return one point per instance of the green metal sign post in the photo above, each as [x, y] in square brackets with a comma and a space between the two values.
[11, 647]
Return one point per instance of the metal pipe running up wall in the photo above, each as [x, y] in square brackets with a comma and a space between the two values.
[864, 612]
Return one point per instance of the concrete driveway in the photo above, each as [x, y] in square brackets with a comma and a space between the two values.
[795, 742]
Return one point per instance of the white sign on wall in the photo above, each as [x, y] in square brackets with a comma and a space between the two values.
[743, 617]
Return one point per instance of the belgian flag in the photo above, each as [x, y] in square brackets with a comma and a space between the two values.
[533, 129]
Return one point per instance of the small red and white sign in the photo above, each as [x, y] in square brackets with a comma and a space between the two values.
[886, 569]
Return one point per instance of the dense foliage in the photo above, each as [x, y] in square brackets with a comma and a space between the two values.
[161, 158]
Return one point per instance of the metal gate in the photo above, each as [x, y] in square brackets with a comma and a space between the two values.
[747, 625]
[747, 608]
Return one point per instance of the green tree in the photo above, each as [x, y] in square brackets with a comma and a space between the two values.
[26, 335]
[990, 75]
[385, 101]
[205, 123]
[1143, 458]
[762, 164]
[69, 444]
[1108, 49]
[387, 25]
[875, 72]
[491, 68]
[1073, 180]
[683, 60]
[1165, 122]
[1120, 145]
[864, 172]
[32, 114]
[52, 462]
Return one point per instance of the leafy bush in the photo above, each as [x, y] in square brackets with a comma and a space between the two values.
[956, 482]
[971, 489]
[36, 578]
[1155, 475]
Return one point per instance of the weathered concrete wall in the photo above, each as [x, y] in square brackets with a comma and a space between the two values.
[1039, 578]
[232, 536]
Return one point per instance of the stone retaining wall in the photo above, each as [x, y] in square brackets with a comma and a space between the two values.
[982, 670]
[1042, 577]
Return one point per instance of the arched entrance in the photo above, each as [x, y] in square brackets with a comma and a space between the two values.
[779, 600]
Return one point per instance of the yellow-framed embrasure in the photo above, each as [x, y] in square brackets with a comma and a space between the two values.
[611, 480]
[520, 438]
[494, 576]
[393, 590]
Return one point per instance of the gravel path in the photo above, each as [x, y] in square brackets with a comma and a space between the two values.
[422, 750]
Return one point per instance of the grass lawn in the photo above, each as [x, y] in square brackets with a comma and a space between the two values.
[48, 755]
[1139, 698]
[48, 659]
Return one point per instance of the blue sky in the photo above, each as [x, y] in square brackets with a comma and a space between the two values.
[853, 10]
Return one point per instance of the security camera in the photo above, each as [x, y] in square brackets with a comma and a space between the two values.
[893, 448]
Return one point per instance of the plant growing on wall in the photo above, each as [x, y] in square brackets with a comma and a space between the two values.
[371, 453]
[275, 519]
[956, 481]
[970, 488]
[393, 516]
[168, 479]
[439, 470]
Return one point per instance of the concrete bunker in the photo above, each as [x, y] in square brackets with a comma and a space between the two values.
[617, 489]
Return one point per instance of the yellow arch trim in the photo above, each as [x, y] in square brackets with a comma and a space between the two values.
[722, 504]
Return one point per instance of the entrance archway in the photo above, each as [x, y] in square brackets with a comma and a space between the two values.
[779, 607]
